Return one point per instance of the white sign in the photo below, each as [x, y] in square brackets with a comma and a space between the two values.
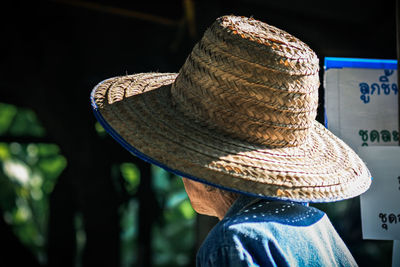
[361, 105]
[380, 205]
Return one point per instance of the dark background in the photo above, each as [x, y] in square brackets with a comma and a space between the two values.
[55, 52]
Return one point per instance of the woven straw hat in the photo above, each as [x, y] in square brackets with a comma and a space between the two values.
[240, 115]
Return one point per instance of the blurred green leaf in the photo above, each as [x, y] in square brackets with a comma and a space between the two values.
[186, 209]
[16, 149]
[22, 214]
[52, 166]
[19, 121]
[160, 182]
[7, 114]
[175, 198]
[45, 150]
[99, 129]
[4, 151]
[131, 175]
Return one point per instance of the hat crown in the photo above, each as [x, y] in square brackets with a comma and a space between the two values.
[251, 81]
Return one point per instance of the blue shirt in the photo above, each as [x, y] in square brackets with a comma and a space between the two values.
[257, 232]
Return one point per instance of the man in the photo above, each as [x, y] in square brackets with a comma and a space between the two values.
[238, 122]
[258, 232]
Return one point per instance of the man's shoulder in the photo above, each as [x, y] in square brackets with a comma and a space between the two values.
[263, 219]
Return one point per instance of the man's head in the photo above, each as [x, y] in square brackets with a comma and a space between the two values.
[208, 200]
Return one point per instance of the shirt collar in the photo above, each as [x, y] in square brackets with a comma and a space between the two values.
[243, 201]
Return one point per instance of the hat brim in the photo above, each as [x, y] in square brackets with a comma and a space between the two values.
[138, 111]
